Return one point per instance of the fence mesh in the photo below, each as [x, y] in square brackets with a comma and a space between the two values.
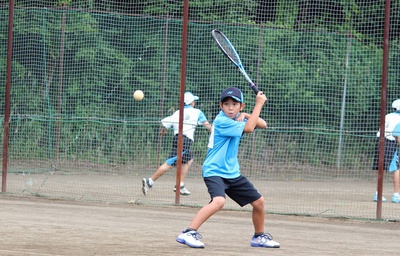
[77, 133]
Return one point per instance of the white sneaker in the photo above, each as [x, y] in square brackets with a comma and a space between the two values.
[184, 191]
[264, 240]
[191, 239]
[145, 186]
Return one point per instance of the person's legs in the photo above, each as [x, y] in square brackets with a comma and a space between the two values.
[187, 161]
[216, 189]
[207, 211]
[148, 183]
[261, 239]
[258, 215]
[389, 160]
[396, 180]
[160, 171]
[184, 170]
[190, 236]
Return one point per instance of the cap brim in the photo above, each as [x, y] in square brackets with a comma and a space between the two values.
[231, 96]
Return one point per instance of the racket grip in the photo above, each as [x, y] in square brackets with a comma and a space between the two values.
[254, 88]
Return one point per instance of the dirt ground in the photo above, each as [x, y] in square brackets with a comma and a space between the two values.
[337, 198]
[37, 226]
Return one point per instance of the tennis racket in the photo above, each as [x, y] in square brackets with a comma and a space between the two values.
[229, 51]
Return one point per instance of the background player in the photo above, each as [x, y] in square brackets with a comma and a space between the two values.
[192, 117]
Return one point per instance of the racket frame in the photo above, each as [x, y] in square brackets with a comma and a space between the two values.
[237, 62]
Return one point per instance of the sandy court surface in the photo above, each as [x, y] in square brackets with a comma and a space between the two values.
[336, 198]
[36, 226]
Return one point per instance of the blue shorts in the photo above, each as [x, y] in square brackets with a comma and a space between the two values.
[239, 189]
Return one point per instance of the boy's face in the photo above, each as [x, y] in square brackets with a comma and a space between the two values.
[231, 107]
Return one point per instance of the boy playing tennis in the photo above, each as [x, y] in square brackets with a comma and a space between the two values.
[221, 171]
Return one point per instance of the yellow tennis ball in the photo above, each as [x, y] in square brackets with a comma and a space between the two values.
[138, 95]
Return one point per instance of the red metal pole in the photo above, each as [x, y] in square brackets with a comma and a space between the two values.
[383, 108]
[182, 92]
[7, 96]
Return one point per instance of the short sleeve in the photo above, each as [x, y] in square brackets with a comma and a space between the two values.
[202, 118]
[396, 131]
[229, 127]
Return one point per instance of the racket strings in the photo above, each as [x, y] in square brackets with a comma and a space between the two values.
[227, 47]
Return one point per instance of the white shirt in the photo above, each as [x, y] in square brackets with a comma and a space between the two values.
[191, 118]
[391, 120]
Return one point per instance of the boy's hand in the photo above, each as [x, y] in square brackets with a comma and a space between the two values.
[241, 117]
[261, 98]
[162, 131]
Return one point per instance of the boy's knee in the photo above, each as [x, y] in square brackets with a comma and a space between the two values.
[219, 201]
[259, 203]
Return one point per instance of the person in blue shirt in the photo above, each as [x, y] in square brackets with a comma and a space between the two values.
[221, 170]
[192, 117]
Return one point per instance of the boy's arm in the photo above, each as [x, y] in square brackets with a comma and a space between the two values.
[254, 119]
[261, 123]
[207, 125]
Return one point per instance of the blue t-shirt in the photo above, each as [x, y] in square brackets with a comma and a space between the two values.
[223, 146]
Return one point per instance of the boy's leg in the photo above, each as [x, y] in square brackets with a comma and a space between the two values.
[185, 169]
[187, 157]
[261, 239]
[160, 171]
[216, 190]
[187, 160]
[190, 236]
[258, 215]
[207, 211]
[396, 180]
[148, 183]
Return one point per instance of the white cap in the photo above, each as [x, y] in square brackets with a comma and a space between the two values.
[396, 104]
[189, 98]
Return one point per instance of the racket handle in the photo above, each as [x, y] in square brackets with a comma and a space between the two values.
[254, 88]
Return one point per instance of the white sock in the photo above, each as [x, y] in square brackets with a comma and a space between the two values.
[182, 184]
[396, 194]
[151, 182]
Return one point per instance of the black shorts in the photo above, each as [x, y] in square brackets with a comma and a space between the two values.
[239, 189]
[187, 153]
[389, 155]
